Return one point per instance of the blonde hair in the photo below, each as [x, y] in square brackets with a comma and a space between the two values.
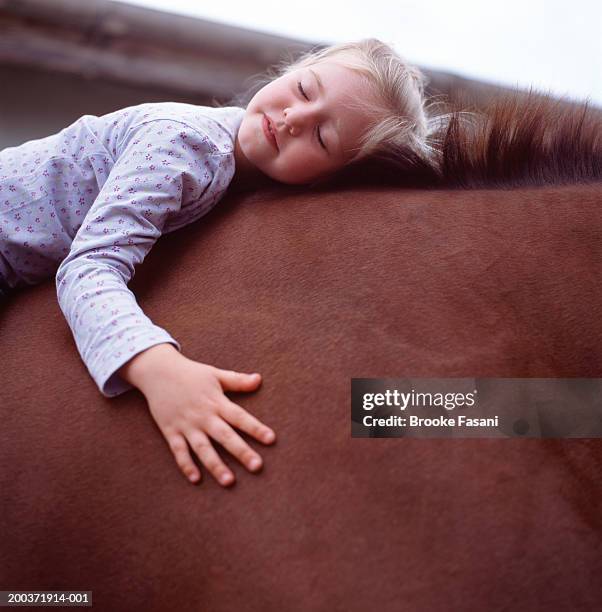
[398, 105]
[401, 129]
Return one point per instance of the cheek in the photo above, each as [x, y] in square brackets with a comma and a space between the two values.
[251, 132]
[298, 169]
[303, 152]
[268, 99]
[244, 137]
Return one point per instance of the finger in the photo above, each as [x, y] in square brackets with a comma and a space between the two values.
[237, 381]
[180, 451]
[219, 430]
[243, 420]
[201, 445]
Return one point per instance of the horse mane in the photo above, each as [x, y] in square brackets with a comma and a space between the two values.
[519, 139]
[522, 139]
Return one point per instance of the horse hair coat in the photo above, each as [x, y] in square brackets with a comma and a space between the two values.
[312, 289]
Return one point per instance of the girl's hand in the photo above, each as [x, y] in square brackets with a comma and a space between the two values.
[187, 401]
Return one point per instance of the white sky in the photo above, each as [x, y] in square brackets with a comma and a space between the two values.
[554, 45]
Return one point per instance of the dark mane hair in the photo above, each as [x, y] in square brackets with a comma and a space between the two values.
[515, 140]
[525, 139]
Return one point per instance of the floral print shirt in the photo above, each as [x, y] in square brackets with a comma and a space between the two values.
[87, 204]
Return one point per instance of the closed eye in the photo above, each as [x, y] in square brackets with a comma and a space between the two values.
[300, 87]
[302, 90]
[320, 138]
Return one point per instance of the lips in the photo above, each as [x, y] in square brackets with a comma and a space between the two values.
[270, 136]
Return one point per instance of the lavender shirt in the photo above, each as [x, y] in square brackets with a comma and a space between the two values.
[88, 203]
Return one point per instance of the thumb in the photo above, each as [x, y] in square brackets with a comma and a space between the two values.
[237, 381]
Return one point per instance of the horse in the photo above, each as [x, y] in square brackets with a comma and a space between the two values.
[488, 267]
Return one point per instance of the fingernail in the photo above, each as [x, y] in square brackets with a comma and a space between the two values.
[254, 463]
[268, 436]
[225, 478]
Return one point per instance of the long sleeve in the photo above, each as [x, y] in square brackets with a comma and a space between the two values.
[165, 172]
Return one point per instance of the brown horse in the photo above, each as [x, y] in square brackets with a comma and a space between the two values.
[390, 279]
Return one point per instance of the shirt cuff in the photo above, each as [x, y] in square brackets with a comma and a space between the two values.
[108, 380]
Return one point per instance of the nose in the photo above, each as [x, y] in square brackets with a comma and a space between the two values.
[294, 120]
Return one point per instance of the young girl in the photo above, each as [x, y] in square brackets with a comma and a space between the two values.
[87, 205]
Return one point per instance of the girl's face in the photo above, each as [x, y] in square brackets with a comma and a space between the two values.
[313, 129]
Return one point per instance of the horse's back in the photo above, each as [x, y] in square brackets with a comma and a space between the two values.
[312, 290]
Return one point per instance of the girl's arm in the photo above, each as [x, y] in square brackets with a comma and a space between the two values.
[188, 403]
[144, 189]
[163, 171]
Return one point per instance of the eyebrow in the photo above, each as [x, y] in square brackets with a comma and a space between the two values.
[320, 85]
[322, 91]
